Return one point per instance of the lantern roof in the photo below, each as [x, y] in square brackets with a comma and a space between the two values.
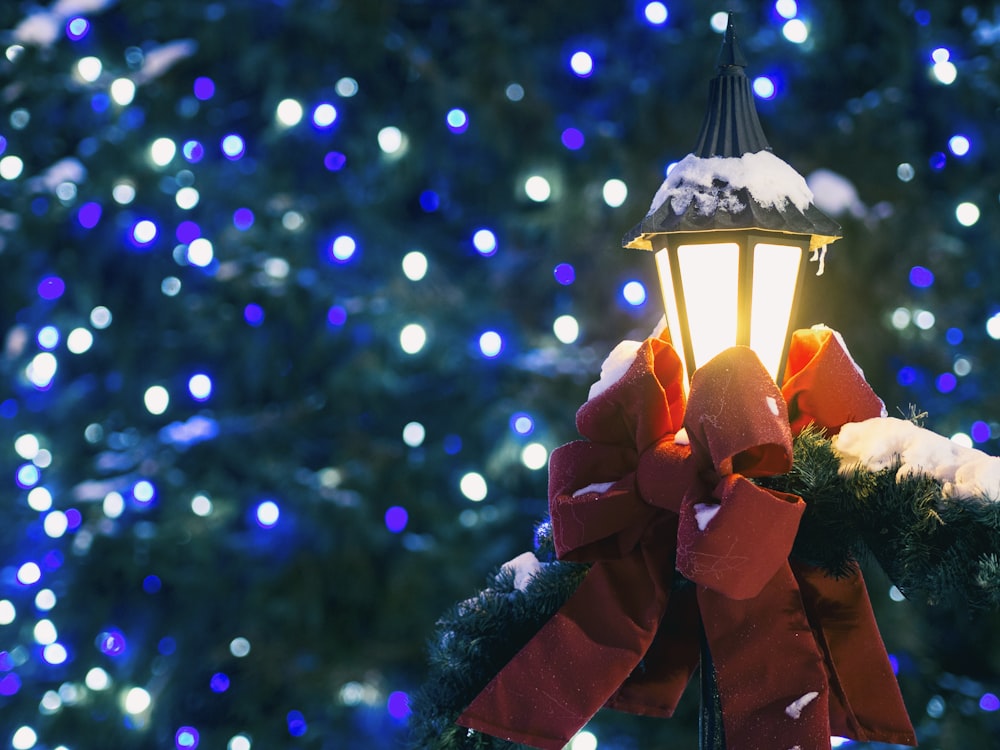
[732, 181]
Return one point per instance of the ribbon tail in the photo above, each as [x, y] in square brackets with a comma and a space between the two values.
[656, 686]
[598, 637]
[865, 700]
[771, 677]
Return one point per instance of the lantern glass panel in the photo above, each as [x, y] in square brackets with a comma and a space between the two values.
[670, 306]
[710, 276]
[775, 271]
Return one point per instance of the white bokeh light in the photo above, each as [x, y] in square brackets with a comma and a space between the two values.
[162, 151]
[967, 213]
[615, 192]
[795, 31]
[412, 338]
[122, 91]
[136, 700]
[534, 456]
[414, 434]
[473, 486]
[566, 328]
[289, 113]
[415, 265]
[156, 399]
[537, 188]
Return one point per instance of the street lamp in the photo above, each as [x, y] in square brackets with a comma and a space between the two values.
[730, 227]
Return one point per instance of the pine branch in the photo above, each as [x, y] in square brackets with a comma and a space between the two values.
[476, 638]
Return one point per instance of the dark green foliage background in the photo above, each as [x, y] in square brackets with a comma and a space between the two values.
[311, 414]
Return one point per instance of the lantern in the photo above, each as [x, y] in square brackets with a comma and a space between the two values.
[731, 227]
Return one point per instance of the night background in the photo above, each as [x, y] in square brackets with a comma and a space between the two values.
[297, 296]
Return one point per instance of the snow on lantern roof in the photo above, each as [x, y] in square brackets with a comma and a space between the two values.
[732, 181]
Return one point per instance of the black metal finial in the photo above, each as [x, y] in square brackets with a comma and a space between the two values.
[731, 126]
[731, 55]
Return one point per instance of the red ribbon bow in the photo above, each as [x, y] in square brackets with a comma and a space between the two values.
[797, 653]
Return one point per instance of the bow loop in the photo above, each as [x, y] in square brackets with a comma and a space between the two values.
[594, 502]
[736, 418]
[824, 385]
[642, 406]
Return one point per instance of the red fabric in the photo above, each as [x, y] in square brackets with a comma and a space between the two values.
[629, 499]
[824, 385]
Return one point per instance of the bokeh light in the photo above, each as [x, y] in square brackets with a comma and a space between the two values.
[566, 329]
[267, 514]
[656, 13]
[485, 242]
[795, 31]
[581, 63]
[473, 486]
[490, 344]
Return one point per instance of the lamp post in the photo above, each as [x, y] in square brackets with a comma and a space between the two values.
[731, 227]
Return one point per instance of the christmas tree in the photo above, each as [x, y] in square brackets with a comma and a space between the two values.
[299, 296]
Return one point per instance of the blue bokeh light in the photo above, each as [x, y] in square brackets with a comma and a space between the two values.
[267, 514]
[921, 277]
[233, 146]
[193, 151]
[764, 87]
[186, 738]
[485, 242]
[89, 214]
[243, 219]
[396, 519]
[336, 315]
[938, 161]
[980, 431]
[51, 287]
[219, 682]
[111, 643]
[204, 88]
[946, 382]
[906, 376]
[522, 423]
[200, 386]
[452, 444]
[77, 28]
[634, 293]
[151, 584]
[143, 233]
[430, 201]
[959, 145]
[27, 476]
[457, 120]
[334, 161]
[573, 139]
[253, 314]
[343, 248]
[989, 702]
[324, 115]
[398, 704]
[564, 273]
[297, 725]
[954, 336]
[10, 683]
[144, 492]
